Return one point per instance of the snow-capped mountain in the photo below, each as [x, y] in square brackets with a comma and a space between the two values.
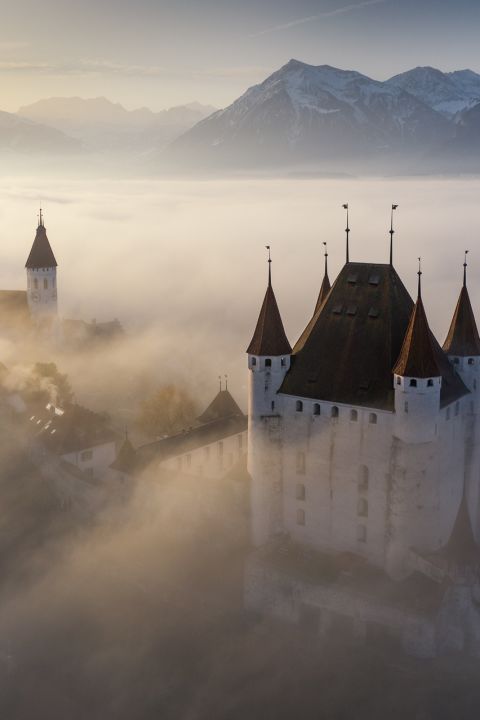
[18, 135]
[304, 113]
[448, 93]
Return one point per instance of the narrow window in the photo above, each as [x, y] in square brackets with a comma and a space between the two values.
[399, 380]
[361, 533]
[300, 517]
[283, 362]
[430, 382]
[300, 491]
[273, 405]
[268, 362]
[471, 361]
[300, 463]
[413, 382]
[372, 419]
[362, 507]
[363, 474]
[35, 283]
[334, 412]
[254, 361]
[405, 407]
[316, 409]
[45, 283]
[299, 406]
[353, 415]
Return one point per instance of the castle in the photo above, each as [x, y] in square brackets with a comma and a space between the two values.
[364, 457]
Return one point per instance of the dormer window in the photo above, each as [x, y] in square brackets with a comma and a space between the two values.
[413, 382]
[254, 361]
[283, 362]
[316, 409]
[430, 382]
[299, 406]
[268, 362]
[353, 415]
[372, 418]
[471, 361]
[399, 380]
[334, 412]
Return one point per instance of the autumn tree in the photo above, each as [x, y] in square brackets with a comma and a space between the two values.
[167, 411]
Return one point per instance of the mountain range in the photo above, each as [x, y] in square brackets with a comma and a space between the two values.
[304, 115]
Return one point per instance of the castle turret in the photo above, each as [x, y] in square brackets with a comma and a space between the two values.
[268, 361]
[41, 268]
[325, 286]
[417, 380]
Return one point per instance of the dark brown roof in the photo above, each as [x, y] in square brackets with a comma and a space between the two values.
[69, 430]
[418, 357]
[462, 338]
[223, 405]
[126, 459]
[324, 290]
[348, 349]
[41, 254]
[269, 337]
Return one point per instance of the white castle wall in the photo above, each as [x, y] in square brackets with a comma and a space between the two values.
[42, 291]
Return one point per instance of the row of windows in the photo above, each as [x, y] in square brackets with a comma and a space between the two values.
[362, 503]
[413, 382]
[45, 283]
[335, 412]
[207, 453]
[470, 361]
[301, 467]
[268, 362]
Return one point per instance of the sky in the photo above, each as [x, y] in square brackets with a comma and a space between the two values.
[160, 53]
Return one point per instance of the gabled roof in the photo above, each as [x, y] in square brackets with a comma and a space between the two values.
[418, 357]
[463, 338]
[41, 254]
[223, 405]
[347, 351]
[269, 337]
[126, 459]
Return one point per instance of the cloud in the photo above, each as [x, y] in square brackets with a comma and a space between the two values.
[318, 16]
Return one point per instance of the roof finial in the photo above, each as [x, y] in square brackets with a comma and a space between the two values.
[269, 266]
[226, 382]
[220, 382]
[347, 231]
[392, 231]
[419, 277]
[326, 258]
[465, 269]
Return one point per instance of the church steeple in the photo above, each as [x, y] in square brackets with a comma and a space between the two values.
[463, 339]
[269, 337]
[41, 255]
[325, 287]
[417, 356]
[41, 269]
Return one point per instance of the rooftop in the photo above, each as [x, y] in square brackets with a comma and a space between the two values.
[41, 255]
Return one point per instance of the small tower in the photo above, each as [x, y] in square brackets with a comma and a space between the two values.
[325, 287]
[462, 344]
[417, 380]
[268, 362]
[42, 277]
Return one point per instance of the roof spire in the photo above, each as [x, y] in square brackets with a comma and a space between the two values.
[392, 232]
[347, 232]
[326, 258]
[269, 266]
[465, 270]
[325, 286]
[226, 382]
[220, 383]
[40, 218]
[419, 277]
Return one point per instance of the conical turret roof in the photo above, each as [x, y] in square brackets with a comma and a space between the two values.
[463, 338]
[126, 459]
[418, 357]
[269, 337]
[41, 255]
[222, 406]
[324, 290]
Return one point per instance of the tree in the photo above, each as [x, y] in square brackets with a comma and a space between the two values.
[47, 383]
[167, 411]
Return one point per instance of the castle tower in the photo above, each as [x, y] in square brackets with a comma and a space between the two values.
[417, 380]
[325, 286]
[268, 361]
[41, 268]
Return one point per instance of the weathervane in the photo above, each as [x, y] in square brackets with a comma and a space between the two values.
[419, 276]
[326, 258]
[347, 231]
[269, 266]
[465, 269]
[392, 232]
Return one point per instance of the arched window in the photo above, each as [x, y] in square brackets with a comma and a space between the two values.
[283, 362]
[300, 491]
[372, 418]
[353, 415]
[363, 478]
[35, 283]
[362, 507]
[299, 406]
[316, 409]
[399, 380]
[254, 361]
[413, 382]
[471, 361]
[268, 362]
[334, 412]
[300, 517]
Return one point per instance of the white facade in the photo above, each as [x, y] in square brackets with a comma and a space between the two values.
[42, 292]
[212, 460]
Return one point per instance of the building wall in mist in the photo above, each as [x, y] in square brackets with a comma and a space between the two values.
[94, 461]
[213, 460]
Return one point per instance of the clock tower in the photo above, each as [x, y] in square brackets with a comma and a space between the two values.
[41, 269]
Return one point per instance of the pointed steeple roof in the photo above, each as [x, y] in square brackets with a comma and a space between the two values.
[41, 255]
[418, 357]
[222, 406]
[325, 287]
[463, 338]
[126, 459]
[269, 337]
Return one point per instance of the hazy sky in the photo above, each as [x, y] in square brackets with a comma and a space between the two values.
[164, 52]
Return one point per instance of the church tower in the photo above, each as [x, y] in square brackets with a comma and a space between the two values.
[268, 362]
[41, 269]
